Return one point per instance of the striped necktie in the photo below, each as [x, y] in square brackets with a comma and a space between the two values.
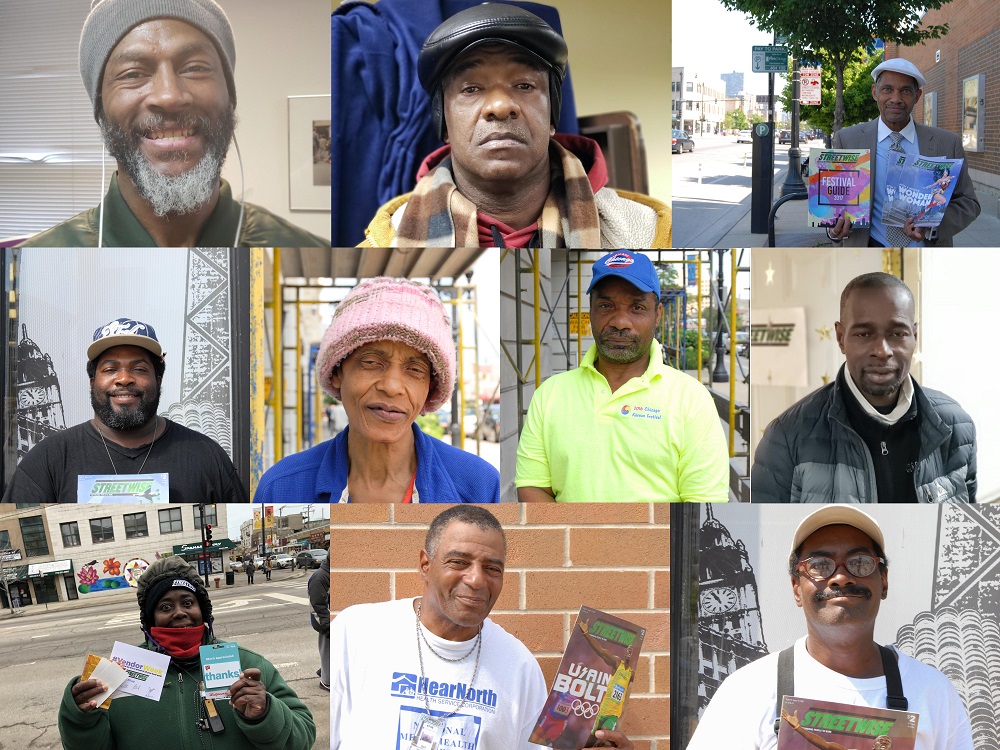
[895, 235]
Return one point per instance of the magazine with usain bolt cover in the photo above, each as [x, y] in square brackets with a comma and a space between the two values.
[593, 681]
[807, 724]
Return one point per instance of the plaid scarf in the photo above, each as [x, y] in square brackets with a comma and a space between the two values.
[437, 215]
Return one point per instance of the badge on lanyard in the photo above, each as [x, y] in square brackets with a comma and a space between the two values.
[428, 734]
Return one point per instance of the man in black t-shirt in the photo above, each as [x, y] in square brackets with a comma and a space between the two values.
[126, 439]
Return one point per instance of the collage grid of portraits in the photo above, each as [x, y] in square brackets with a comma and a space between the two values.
[347, 316]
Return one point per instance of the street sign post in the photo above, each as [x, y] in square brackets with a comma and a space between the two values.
[770, 59]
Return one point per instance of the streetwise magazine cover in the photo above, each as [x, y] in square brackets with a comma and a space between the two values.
[593, 681]
[807, 724]
[919, 187]
[839, 183]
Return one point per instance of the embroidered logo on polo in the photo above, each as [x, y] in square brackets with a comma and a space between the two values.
[642, 412]
[619, 260]
[408, 685]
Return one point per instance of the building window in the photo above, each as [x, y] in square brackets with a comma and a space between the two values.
[170, 520]
[690, 86]
[135, 525]
[209, 516]
[70, 534]
[4, 539]
[101, 530]
[33, 536]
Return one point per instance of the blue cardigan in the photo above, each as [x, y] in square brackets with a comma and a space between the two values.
[319, 475]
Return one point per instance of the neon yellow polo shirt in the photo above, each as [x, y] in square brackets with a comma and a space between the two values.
[658, 438]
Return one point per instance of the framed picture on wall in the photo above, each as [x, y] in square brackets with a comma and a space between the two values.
[309, 159]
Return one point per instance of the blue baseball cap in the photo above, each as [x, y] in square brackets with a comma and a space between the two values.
[635, 268]
[124, 332]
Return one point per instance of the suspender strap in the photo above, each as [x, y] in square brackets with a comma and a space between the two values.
[893, 683]
[786, 681]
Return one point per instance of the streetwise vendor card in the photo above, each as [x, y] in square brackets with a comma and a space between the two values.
[808, 724]
[124, 488]
[220, 667]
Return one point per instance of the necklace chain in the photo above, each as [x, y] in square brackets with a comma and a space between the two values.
[420, 656]
[108, 450]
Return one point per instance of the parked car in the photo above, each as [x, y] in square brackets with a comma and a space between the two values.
[258, 561]
[283, 560]
[236, 566]
[744, 136]
[785, 136]
[310, 558]
[681, 142]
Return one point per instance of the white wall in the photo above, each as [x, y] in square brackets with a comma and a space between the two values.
[282, 50]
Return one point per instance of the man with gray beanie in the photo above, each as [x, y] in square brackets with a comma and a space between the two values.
[494, 73]
[175, 616]
[159, 74]
[897, 87]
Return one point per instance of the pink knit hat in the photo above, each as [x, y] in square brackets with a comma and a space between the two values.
[386, 309]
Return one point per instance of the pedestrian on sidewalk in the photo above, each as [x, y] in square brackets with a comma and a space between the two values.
[250, 570]
[319, 597]
[268, 565]
[175, 615]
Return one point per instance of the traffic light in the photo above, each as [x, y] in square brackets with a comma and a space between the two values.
[208, 536]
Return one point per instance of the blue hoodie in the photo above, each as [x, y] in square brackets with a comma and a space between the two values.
[319, 475]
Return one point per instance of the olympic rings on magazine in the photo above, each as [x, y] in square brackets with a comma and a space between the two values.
[586, 710]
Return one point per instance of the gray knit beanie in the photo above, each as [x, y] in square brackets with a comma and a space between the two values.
[110, 20]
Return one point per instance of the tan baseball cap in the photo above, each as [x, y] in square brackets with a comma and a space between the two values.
[837, 514]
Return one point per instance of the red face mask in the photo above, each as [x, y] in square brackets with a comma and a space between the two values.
[180, 643]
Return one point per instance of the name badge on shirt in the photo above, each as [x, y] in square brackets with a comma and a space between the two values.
[428, 734]
[123, 488]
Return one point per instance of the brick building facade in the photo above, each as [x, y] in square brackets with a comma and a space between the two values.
[559, 557]
[970, 48]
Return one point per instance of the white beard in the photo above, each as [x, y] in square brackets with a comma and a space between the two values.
[175, 194]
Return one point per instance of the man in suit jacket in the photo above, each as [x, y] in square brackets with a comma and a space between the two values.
[897, 90]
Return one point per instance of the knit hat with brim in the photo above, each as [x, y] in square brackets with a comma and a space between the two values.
[110, 20]
[387, 309]
[163, 575]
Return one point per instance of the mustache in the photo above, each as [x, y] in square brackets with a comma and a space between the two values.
[822, 596]
[183, 121]
[126, 392]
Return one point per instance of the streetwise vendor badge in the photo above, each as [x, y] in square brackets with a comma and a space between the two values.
[123, 488]
[807, 724]
[593, 681]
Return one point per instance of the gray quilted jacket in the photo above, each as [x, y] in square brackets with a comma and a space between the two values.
[810, 453]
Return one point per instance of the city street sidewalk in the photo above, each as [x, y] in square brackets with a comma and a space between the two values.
[790, 228]
[128, 595]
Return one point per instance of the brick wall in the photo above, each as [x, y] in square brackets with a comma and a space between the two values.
[614, 557]
[969, 48]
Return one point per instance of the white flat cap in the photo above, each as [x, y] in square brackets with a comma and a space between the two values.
[899, 65]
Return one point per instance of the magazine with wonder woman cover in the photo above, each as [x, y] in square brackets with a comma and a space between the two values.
[593, 681]
[919, 187]
[807, 724]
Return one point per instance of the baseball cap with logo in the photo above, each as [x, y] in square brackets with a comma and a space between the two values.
[124, 332]
[838, 514]
[635, 268]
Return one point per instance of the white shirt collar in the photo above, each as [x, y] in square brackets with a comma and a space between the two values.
[902, 404]
[909, 132]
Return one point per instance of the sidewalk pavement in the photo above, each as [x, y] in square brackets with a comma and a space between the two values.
[128, 595]
[790, 228]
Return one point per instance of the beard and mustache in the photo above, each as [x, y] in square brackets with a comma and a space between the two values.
[172, 194]
[125, 418]
[634, 347]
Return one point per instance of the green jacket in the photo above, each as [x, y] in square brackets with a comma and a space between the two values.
[261, 228]
[169, 724]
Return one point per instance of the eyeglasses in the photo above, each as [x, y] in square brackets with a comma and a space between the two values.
[820, 567]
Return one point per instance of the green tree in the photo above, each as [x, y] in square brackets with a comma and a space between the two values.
[859, 105]
[668, 275]
[736, 120]
[834, 30]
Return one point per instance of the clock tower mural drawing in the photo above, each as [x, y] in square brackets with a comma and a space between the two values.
[730, 632]
[39, 401]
